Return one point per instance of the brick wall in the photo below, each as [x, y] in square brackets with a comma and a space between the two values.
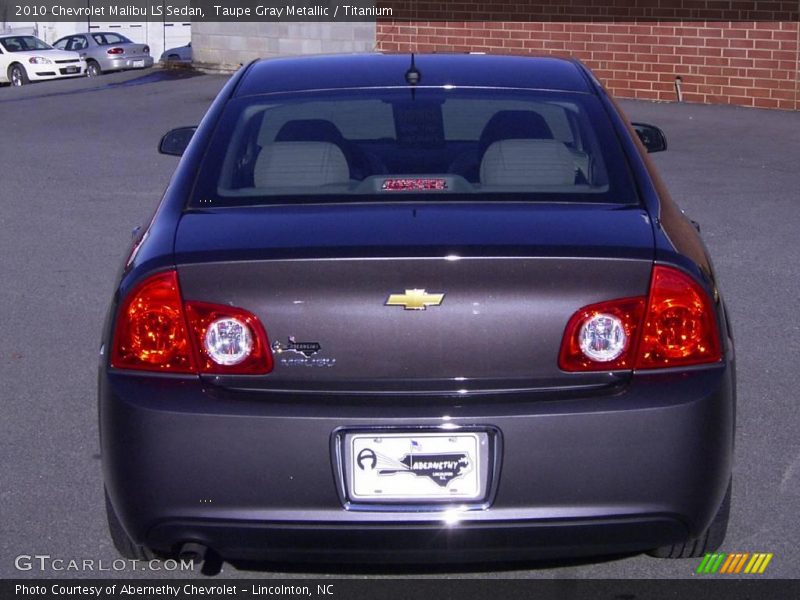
[639, 53]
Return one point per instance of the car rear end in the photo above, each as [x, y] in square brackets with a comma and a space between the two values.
[116, 53]
[414, 346]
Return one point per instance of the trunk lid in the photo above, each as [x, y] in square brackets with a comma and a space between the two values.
[329, 284]
[133, 50]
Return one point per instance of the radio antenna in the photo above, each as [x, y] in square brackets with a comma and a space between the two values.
[413, 76]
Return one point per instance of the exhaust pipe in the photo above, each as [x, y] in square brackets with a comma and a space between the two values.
[194, 552]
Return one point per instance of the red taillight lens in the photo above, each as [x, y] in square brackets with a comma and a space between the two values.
[229, 340]
[681, 326]
[606, 331]
[115, 51]
[674, 326]
[151, 331]
[157, 331]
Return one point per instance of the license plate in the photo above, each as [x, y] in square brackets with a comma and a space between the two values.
[72, 69]
[138, 63]
[416, 467]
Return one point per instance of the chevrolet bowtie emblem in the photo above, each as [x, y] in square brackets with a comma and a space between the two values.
[415, 300]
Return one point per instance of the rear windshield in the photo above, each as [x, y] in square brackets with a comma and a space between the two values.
[426, 144]
[106, 39]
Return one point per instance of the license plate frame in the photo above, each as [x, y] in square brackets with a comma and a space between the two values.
[430, 472]
[138, 64]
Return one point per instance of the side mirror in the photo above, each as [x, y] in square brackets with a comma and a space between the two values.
[651, 136]
[175, 141]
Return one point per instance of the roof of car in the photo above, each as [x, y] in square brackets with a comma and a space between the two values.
[91, 33]
[344, 71]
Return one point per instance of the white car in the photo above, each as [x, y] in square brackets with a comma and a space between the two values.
[26, 58]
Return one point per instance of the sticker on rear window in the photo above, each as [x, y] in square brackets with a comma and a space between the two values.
[413, 184]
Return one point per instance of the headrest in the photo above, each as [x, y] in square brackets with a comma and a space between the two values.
[309, 130]
[514, 125]
[527, 163]
[300, 164]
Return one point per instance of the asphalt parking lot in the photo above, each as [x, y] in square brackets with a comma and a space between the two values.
[80, 170]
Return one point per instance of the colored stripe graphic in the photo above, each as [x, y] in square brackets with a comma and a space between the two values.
[704, 564]
[726, 566]
[737, 562]
[765, 563]
[740, 564]
[758, 564]
[734, 563]
[711, 563]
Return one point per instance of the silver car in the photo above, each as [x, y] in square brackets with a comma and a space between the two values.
[179, 55]
[107, 51]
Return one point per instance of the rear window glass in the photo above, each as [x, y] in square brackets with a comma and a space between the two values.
[106, 39]
[432, 144]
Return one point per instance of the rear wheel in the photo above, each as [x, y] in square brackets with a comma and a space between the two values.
[122, 542]
[93, 69]
[709, 541]
[17, 75]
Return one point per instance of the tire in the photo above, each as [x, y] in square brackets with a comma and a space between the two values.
[122, 542]
[93, 69]
[17, 75]
[710, 540]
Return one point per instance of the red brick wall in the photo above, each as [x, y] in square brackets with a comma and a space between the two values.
[748, 63]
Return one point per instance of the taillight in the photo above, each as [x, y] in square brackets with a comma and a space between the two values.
[115, 51]
[681, 325]
[157, 331]
[602, 336]
[228, 339]
[146, 49]
[151, 332]
[674, 326]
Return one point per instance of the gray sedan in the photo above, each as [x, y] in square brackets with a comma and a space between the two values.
[107, 51]
[378, 321]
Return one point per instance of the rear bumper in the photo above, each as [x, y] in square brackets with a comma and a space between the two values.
[416, 543]
[118, 64]
[253, 476]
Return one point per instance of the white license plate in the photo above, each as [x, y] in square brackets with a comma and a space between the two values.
[416, 467]
[138, 63]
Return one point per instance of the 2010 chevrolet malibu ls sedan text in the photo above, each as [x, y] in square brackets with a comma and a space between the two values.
[416, 308]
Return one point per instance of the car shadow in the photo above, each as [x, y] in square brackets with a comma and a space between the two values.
[157, 76]
[109, 81]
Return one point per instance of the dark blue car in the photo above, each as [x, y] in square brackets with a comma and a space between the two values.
[416, 308]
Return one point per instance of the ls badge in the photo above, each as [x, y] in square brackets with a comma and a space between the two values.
[415, 300]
